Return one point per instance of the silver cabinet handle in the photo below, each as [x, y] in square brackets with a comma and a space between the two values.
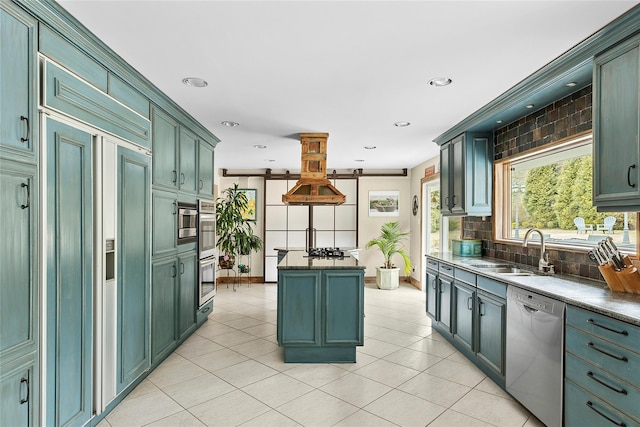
[201, 184]
[25, 381]
[182, 178]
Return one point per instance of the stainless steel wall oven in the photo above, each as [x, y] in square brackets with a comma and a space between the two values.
[206, 250]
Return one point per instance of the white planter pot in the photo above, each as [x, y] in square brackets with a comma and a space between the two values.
[387, 278]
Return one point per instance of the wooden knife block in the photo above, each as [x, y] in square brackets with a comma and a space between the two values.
[627, 280]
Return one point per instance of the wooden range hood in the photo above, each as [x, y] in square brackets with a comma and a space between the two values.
[313, 187]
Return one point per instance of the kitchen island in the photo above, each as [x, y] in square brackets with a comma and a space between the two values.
[320, 308]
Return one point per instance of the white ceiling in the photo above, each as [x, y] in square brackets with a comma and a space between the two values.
[349, 68]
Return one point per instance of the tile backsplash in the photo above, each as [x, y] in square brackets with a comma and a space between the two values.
[564, 118]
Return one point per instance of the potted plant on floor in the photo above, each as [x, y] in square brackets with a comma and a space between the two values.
[235, 232]
[390, 243]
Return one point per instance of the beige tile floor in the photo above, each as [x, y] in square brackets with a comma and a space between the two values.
[231, 373]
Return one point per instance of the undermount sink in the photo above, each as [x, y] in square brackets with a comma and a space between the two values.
[505, 270]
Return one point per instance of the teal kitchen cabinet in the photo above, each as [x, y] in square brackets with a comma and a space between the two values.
[188, 162]
[165, 132]
[18, 81]
[616, 125]
[205, 169]
[163, 308]
[432, 289]
[165, 223]
[134, 260]
[187, 287]
[443, 298]
[173, 303]
[466, 175]
[69, 275]
[463, 325]
[478, 326]
[320, 314]
[19, 301]
[19, 392]
[602, 361]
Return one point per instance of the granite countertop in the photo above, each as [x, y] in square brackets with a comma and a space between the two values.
[299, 260]
[581, 292]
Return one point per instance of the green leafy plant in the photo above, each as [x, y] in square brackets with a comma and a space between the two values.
[235, 233]
[390, 243]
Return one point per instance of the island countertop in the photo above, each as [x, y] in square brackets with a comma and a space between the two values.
[299, 260]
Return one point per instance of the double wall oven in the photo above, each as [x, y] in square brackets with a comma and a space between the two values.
[206, 250]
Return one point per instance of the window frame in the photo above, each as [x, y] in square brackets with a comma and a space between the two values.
[502, 196]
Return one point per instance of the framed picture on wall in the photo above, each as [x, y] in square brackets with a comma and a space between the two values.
[250, 213]
[384, 203]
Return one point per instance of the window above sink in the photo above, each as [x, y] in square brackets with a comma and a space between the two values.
[551, 189]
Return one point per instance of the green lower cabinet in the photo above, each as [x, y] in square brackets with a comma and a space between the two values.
[492, 313]
[173, 303]
[444, 302]
[463, 319]
[69, 275]
[431, 295]
[163, 308]
[134, 203]
[19, 392]
[583, 409]
[320, 315]
[187, 286]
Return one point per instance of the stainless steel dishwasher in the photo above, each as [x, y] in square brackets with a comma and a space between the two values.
[534, 368]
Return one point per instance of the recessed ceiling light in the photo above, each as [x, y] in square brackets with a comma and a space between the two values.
[270, 160]
[260, 146]
[529, 106]
[401, 124]
[194, 81]
[440, 81]
[229, 123]
[369, 147]
[498, 121]
[571, 84]
[358, 160]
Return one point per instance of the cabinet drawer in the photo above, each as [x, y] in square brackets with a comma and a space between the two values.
[621, 333]
[617, 360]
[432, 264]
[583, 409]
[445, 269]
[621, 395]
[465, 276]
[492, 286]
[203, 312]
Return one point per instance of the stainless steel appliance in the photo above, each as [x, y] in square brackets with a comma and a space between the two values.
[206, 280]
[325, 252]
[206, 250]
[187, 223]
[206, 228]
[535, 336]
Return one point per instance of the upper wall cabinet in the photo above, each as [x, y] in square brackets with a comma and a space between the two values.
[616, 100]
[466, 164]
[18, 119]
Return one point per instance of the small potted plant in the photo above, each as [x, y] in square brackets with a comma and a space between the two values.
[235, 233]
[390, 243]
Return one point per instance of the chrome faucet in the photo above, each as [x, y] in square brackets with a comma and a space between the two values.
[543, 264]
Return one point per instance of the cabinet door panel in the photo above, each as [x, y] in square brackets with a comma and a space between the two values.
[343, 307]
[69, 274]
[432, 292]
[491, 331]
[165, 223]
[445, 301]
[188, 150]
[298, 307]
[457, 197]
[445, 183]
[205, 170]
[165, 146]
[163, 308]
[18, 294]
[187, 266]
[133, 265]
[17, 83]
[463, 305]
